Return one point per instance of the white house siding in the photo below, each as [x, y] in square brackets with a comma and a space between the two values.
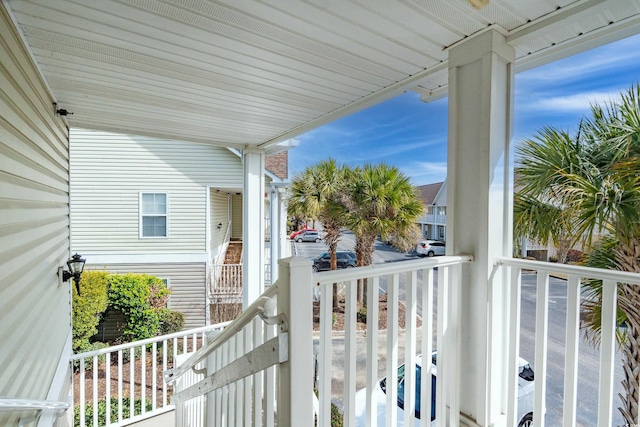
[34, 232]
[236, 216]
[108, 172]
[218, 214]
[185, 280]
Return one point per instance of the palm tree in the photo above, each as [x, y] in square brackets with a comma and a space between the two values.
[381, 202]
[316, 193]
[595, 177]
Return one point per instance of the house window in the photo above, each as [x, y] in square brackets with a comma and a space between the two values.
[153, 215]
[429, 210]
[442, 210]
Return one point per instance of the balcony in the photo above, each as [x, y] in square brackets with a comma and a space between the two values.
[260, 368]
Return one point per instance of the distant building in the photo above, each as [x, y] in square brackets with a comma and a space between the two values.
[434, 221]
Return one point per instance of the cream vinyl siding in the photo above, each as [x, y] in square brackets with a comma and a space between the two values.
[35, 313]
[219, 214]
[108, 173]
[236, 216]
[186, 280]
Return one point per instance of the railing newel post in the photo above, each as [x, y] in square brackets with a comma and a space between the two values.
[295, 296]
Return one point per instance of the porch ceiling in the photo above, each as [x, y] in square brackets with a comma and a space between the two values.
[246, 72]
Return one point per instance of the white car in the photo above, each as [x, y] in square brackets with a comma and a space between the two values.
[525, 396]
[431, 248]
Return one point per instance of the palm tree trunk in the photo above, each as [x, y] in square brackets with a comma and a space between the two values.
[628, 259]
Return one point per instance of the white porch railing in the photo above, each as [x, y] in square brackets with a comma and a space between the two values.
[29, 406]
[226, 283]
[574, 276]
[409, 284]
[100, 376]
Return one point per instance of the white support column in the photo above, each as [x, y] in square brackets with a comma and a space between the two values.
[283, 241]
[274, 230]
[479, 209]
[253, 226]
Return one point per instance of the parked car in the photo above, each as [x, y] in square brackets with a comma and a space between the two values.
[294, 234]
[308, 236]
[525, 396]
[431, 248]
[346, 259]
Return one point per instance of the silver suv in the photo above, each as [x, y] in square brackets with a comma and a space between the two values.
[431, 248]
[308, 236]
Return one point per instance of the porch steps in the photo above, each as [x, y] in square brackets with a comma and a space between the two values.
[234, 253]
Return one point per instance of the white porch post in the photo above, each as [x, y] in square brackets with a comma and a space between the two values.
[295, 388]
[253, 226]
[274, 233]
[479, 209]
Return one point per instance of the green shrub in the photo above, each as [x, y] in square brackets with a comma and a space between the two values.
[140, 298]
[102, 411]
[361, 315]
[336, 416]
[170, 321]
[88, 307]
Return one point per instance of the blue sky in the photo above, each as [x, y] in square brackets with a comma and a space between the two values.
[412, 135]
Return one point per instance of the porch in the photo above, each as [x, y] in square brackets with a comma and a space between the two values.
[260, 368]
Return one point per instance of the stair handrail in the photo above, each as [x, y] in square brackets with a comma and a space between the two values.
[15, 404]
[258, 308]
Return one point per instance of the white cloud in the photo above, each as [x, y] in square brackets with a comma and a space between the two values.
[579, 102]
[422, 173]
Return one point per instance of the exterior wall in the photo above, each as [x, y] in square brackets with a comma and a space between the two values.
[185, 280]
[106, 186]
[35, 308]
[236, 216]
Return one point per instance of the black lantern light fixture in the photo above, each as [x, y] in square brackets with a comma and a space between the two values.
[76, 265]
[219, 226]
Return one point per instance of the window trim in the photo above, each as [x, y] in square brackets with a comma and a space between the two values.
[141, 215]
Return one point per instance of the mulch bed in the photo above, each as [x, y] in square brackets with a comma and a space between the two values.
[339, 316]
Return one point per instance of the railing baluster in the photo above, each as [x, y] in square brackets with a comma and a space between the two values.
[427, 349]
[443, 313]
[82, 397]
[120, 386]
[248, 381]
[107, 378]
[154, 373]
[258, 382]
[324, 356]
[350, 309]
[270, 381]
[393, 287]
[410, 349]
[232, 387]
[607, 352]
[514, 295]
[95, 389]
[132, 382]
[240, 404]
[372, 295]
[143, 378]
[165, 344]
[571, 350]
[542, 315]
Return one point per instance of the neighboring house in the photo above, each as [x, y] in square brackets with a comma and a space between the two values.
[434, 221]
[165, 208]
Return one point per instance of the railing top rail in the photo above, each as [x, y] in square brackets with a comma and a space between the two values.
[327, 277]
[576, 270]
[256, 308]
[12, 404]
[149, 341]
